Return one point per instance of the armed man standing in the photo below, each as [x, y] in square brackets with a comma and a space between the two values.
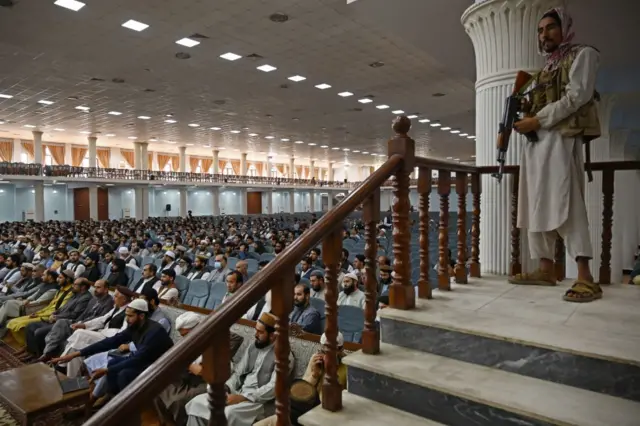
[551, 193]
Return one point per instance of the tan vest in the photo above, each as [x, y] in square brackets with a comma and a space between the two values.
[550, 86]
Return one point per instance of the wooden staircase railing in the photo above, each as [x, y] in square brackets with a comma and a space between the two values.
[211, 338]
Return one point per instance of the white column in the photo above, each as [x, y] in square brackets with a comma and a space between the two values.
[243, 164]
[312, 201]
[137, 158]
[183, 158]
[243, 201]
[139, 203]
[93, 202]
[93, 151]
[292, 202]
[269, 202]
[346, 172]
[503, 33]
[330, 202]
[215, 200]
[312, 169]
[183, 202]
[37, 150]
[621, 247]
[39, 196]
[216, 154]
[268, 167]
[331, 176]
[291, 167]
[144, 156]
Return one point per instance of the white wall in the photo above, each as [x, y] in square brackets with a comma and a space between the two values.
[231, 201]
[121, 198]
[200, 202]
[164, 197]
[281, 201]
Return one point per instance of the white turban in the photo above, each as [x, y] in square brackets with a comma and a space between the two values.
[188, 320]
[339, 340]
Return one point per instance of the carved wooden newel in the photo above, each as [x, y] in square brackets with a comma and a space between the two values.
[559, 260]
[216, 370]
[371, 216]
[516, 266]
[401, 292]
[424, 191]
[331, 254]
[444, 189]
[474, 268]
[281, 304]
[607, 225]
[461, 192]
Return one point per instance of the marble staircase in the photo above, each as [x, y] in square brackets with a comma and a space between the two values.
[491, 354]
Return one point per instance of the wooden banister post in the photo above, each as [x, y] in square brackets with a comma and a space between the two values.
[476, 190]
[516, 266]
[281, 305]
[331, 254]
[424, 192]
[401, 293]
[371, 216]
[216, 370]
[608, 177]
[559, 260]
[461, 192]
[444, 189]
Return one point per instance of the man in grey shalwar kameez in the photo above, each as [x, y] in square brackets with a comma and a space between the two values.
[251, 385]
[564, 114]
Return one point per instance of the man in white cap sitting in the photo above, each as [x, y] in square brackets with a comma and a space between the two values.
[150, 339]
[124, 254]
[351, 294]
[169, 262]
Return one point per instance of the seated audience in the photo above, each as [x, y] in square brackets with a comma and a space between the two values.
[91, 271]
[317, 285]
[303, 314]
[149, 280]
[220, 270]
[234, 281]
[351, 295]
[198, 271]
[168, 292]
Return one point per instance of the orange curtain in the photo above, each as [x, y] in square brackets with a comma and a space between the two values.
[77, 155]
[306, 172]
[259, 168]
[205, 164]
[175, 163]
[280, 168]
[28, 146]
[163, 160]
[128, 157]
[150, 163]
[299, 171]
[221, 164]
[104, 157]
[194, 162]
[235, 165]
[6, 151]
[57, 153]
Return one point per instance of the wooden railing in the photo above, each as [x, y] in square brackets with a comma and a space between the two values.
[211, 338]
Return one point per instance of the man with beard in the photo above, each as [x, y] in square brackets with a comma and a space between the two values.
[151, 341]
[220, 269]
[252, 383]
[117, 277]
[317, 285]
[564, 114]
[198, 272]
[148, 279]
[303, 314]
[91, 271]
[385, 280]
[351, 294]
[74, 264]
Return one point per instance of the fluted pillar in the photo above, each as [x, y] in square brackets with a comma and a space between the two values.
[330, 200]
[243, 164]
[503, 33]
[137, 157]
[144, 156]
[312, 170]
[312, 201]
[291, 167]
[216, 155]
[183, 202]
[39, 199]
[93, 202]
[37, 152]
[215, 200]
[292, 202]
[330, 172]
[183, 158]
[243, 201]
[269, 202]
[93, 150]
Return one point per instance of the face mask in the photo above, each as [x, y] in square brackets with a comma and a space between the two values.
[217, 265]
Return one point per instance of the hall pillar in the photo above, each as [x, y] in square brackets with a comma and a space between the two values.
[330, 200]
[144, 156]
[269, 202]
[93, 151]
[330, 172]
[215, 200]
[137, 157]
[312, 169]
[292, 202]
[37, 149]
[216, 155]
[183, 158]
[39, 199]
[243, 164]
[312, 201]
[623, 220]
[183, 202]
[503, 33]
[93, 202]
[243, 201]
[291, 167]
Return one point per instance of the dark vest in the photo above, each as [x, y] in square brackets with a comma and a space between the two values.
[115, 321]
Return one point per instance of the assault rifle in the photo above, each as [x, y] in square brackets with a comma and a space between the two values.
[512, 110]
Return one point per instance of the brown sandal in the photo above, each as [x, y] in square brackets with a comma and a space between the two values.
[583, 292]
[537, 277]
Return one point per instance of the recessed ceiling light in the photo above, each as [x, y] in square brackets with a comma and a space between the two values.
[323, 86]
[335, 148]
[436, 124]
[207, 145]
[374, 154]
[189, 144]
[83, 108]
[471, 137]
[456, 159]
[356, 150]
[253, 135]
[43, 102]
[269, 137]
[324, 146]
[31, 126]
[424, 120]
[85, 132]
[412, 116]
[455, 131]
[473, 156]
[299, 142]
[445, 128]
[132, 137]
[194, 125]
[170, 121]
[365, 101]
[172, 142]
[449, 158]
[135, 25]
[463, 135]
[345, 94]
[235, 131]
[365, 152]
[382, 106]
[70, 4]
[398, 111]
[230, 56]
[346, 149]
[59, 130]
[144, 117]
[187, 42]
[2, 95]
[311, 144]
[110, 135]
[222, 147]
[114, 113]
[215, 128]
[266, 68]
[297, 78]
[284, 140]
[153, 140]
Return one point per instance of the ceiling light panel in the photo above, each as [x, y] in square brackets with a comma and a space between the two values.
[194, 125]
[44, 102]
[170, 121]
[297, 78]
[70, 4]
[397, 111]
[230, 56]
[114, 113]
[187, 42]
[365, 101]
[323, 86]
[266, 68]
[382, 106]
[135, 25]
[345, 94]
[144, 117]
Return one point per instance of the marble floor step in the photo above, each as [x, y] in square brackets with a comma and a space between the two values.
[577, 356]
[359, 411]
[458, 393]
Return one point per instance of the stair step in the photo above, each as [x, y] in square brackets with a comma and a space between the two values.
[359, 411]
[458, 393]
[573, 355]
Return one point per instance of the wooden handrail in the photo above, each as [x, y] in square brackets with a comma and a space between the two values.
[180, 356]
[434, 164]
[596, 167]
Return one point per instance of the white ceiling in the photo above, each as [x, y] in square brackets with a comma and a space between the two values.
[51, 53]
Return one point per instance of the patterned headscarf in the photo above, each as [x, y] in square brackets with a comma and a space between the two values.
[566, 22]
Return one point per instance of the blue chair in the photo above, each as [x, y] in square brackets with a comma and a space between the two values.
[252, 264]
[197, 294]
[137, 274]
[182, 284]
[216, 294]
[319, 305]
[146, 260]
[232, 262]
[129, 271]
[267, 256]
[305, 281]
[351, 323]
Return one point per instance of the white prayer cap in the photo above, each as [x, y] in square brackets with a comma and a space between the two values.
[139, 305]
[28, 265]
[170, 254]
[351, 275]
[188, 320]
[181, 248]
[339, 340]
[123, 250]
